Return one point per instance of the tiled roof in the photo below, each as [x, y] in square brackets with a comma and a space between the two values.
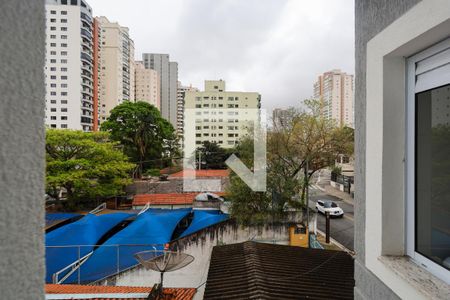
[114, 292]
[201, 173]
[166, 199]
[253, 270]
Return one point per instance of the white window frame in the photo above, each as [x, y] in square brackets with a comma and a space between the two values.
[429, 59]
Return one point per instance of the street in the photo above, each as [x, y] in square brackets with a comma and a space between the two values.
[341, 228]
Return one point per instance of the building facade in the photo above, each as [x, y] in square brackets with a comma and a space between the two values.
[147, 85]
[219, 105]
[280, 117]
[117, 66]
[69, 65]
[181, 93]
[168, 77]
[402, 203]
[335, 91]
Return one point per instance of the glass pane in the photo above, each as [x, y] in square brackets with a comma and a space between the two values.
[433, 175]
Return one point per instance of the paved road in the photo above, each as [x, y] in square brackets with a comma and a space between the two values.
[341, 228]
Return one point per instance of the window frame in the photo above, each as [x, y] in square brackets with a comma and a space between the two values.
[410, 167]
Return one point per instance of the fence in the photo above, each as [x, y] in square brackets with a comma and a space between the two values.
[346, 181]
[83, 264]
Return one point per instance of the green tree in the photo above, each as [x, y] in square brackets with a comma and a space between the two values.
[307, 141]
[86, 166]
[148, 139]
[212, 156]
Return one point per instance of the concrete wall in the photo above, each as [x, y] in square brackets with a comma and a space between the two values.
[371, 17]
[22, 137]
[200, 245]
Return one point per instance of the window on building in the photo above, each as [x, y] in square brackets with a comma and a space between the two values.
[63, 12]
[53, 36]
[53, 109]
[428, 149]
[63, 118]
[53, 69]
[64, 53]
[64, 45]
[52, 61]
[73, 2]
[63, 20]
[63, 28]
[63, 93]
[52, 44]
[52, 117]
[63, 101]
[52, 20]
[64, 77]
[53, 125]
[64, 37]
[64, 109]
[53, 12]
[64, 61]
[63, 69]
[63, 125]
[53, 101]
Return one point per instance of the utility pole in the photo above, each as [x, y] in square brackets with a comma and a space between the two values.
[199, 160]
[327, 227]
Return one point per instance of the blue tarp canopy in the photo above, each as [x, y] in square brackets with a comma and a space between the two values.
[153, 228]
[203, 219]
[85, 233]
[53, 218]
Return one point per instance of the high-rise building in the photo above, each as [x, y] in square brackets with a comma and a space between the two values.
[181, 92]
[335, 91]
[117, 66]
[280, 117]
[168, 74]
[69, 65]
[147, 86]
[221, 124]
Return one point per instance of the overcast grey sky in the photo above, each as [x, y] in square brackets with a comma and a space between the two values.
[274, 47]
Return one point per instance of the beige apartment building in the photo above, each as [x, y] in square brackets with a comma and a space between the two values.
[335, 90]
[116, 76]
[147, 85]
[219, 121]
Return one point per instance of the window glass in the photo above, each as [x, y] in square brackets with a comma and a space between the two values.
[433, 175]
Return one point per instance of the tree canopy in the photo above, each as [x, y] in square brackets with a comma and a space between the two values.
[85, 165]
[148, 139]
[212, 155]
[303, 138]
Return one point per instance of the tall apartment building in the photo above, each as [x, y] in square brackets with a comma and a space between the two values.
[217, 125]
[146, 85]
[181, 93]
[168, 74]
[117, 66]
[280, 117]
[69, 65]
[335, 91]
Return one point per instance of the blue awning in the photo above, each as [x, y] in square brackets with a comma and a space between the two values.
[53, 218]
[203, 219]
[85, 233]
[153, 228]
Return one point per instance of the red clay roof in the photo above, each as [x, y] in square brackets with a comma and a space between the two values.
[167, 199]
[171, 293]
[201, 173]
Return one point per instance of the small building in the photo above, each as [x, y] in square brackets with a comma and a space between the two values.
[252, 270]
[75, 291]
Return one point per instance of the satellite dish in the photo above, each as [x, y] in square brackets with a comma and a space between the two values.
[162, 261]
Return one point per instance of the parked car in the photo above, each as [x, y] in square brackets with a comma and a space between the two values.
[324, 206]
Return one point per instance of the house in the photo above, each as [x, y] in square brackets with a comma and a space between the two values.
[402, 196]
[252, 270]
[74, 291]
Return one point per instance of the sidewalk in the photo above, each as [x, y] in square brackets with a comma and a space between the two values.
[337, 193]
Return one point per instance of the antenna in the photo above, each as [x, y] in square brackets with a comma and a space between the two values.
[162, 261]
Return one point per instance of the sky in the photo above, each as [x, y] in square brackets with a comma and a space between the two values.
[274, 47]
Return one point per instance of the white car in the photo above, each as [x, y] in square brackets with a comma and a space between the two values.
[324, 206]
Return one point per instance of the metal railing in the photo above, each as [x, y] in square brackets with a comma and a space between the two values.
[75, 272]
